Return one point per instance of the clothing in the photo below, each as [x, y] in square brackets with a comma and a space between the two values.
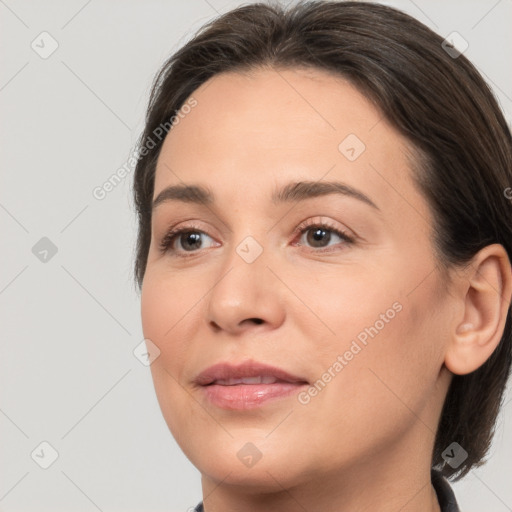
[445, 496]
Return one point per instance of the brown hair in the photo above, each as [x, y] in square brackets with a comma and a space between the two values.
[439, 103]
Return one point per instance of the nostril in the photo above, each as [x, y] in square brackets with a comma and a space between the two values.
[257, 320]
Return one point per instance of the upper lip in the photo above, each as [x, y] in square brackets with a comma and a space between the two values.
[225, 370]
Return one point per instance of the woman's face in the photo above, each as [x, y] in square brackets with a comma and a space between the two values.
[360, 321]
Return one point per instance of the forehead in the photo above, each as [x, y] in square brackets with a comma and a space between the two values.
[253, 131]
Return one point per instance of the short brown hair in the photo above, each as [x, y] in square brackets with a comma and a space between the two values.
[439, 103]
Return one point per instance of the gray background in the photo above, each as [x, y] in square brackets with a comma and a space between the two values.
[70, 321]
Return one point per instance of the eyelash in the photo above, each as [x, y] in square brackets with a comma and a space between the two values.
[173, 234]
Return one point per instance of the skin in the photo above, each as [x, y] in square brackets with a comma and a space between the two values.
[364, 442]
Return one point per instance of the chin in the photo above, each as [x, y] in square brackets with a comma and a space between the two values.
[252, 462]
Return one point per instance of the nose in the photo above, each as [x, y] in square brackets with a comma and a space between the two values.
[247, 295]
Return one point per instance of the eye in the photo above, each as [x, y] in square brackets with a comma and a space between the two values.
[318, 234]
[190, 238]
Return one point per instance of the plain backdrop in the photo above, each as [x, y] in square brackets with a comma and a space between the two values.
[74, 83]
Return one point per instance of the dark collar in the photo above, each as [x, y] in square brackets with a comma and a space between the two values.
[445, 495]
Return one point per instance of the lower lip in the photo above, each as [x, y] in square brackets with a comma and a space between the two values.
[248, 396]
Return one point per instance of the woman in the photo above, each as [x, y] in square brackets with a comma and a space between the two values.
[324, 257]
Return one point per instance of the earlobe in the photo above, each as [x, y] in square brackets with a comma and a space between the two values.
[485, 290]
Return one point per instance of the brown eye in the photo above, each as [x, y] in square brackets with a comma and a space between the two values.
[190, 240]
[183, 240]
[319, 235]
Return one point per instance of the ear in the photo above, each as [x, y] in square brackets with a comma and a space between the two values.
[485, 290]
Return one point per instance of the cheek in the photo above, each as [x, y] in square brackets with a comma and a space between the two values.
[376, 393]
[339, 308]
[381, 346]
[158, 308]
[167, 307]
[169, 311]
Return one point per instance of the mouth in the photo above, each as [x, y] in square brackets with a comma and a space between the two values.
[259, 379]
[248, 385]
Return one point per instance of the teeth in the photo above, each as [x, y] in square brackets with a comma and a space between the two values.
[251, 380]
[260, 379]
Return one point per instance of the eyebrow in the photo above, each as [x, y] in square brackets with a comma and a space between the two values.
[291, 192]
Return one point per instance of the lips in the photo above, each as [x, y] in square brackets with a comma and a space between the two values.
[247, 385]
[249, 372]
